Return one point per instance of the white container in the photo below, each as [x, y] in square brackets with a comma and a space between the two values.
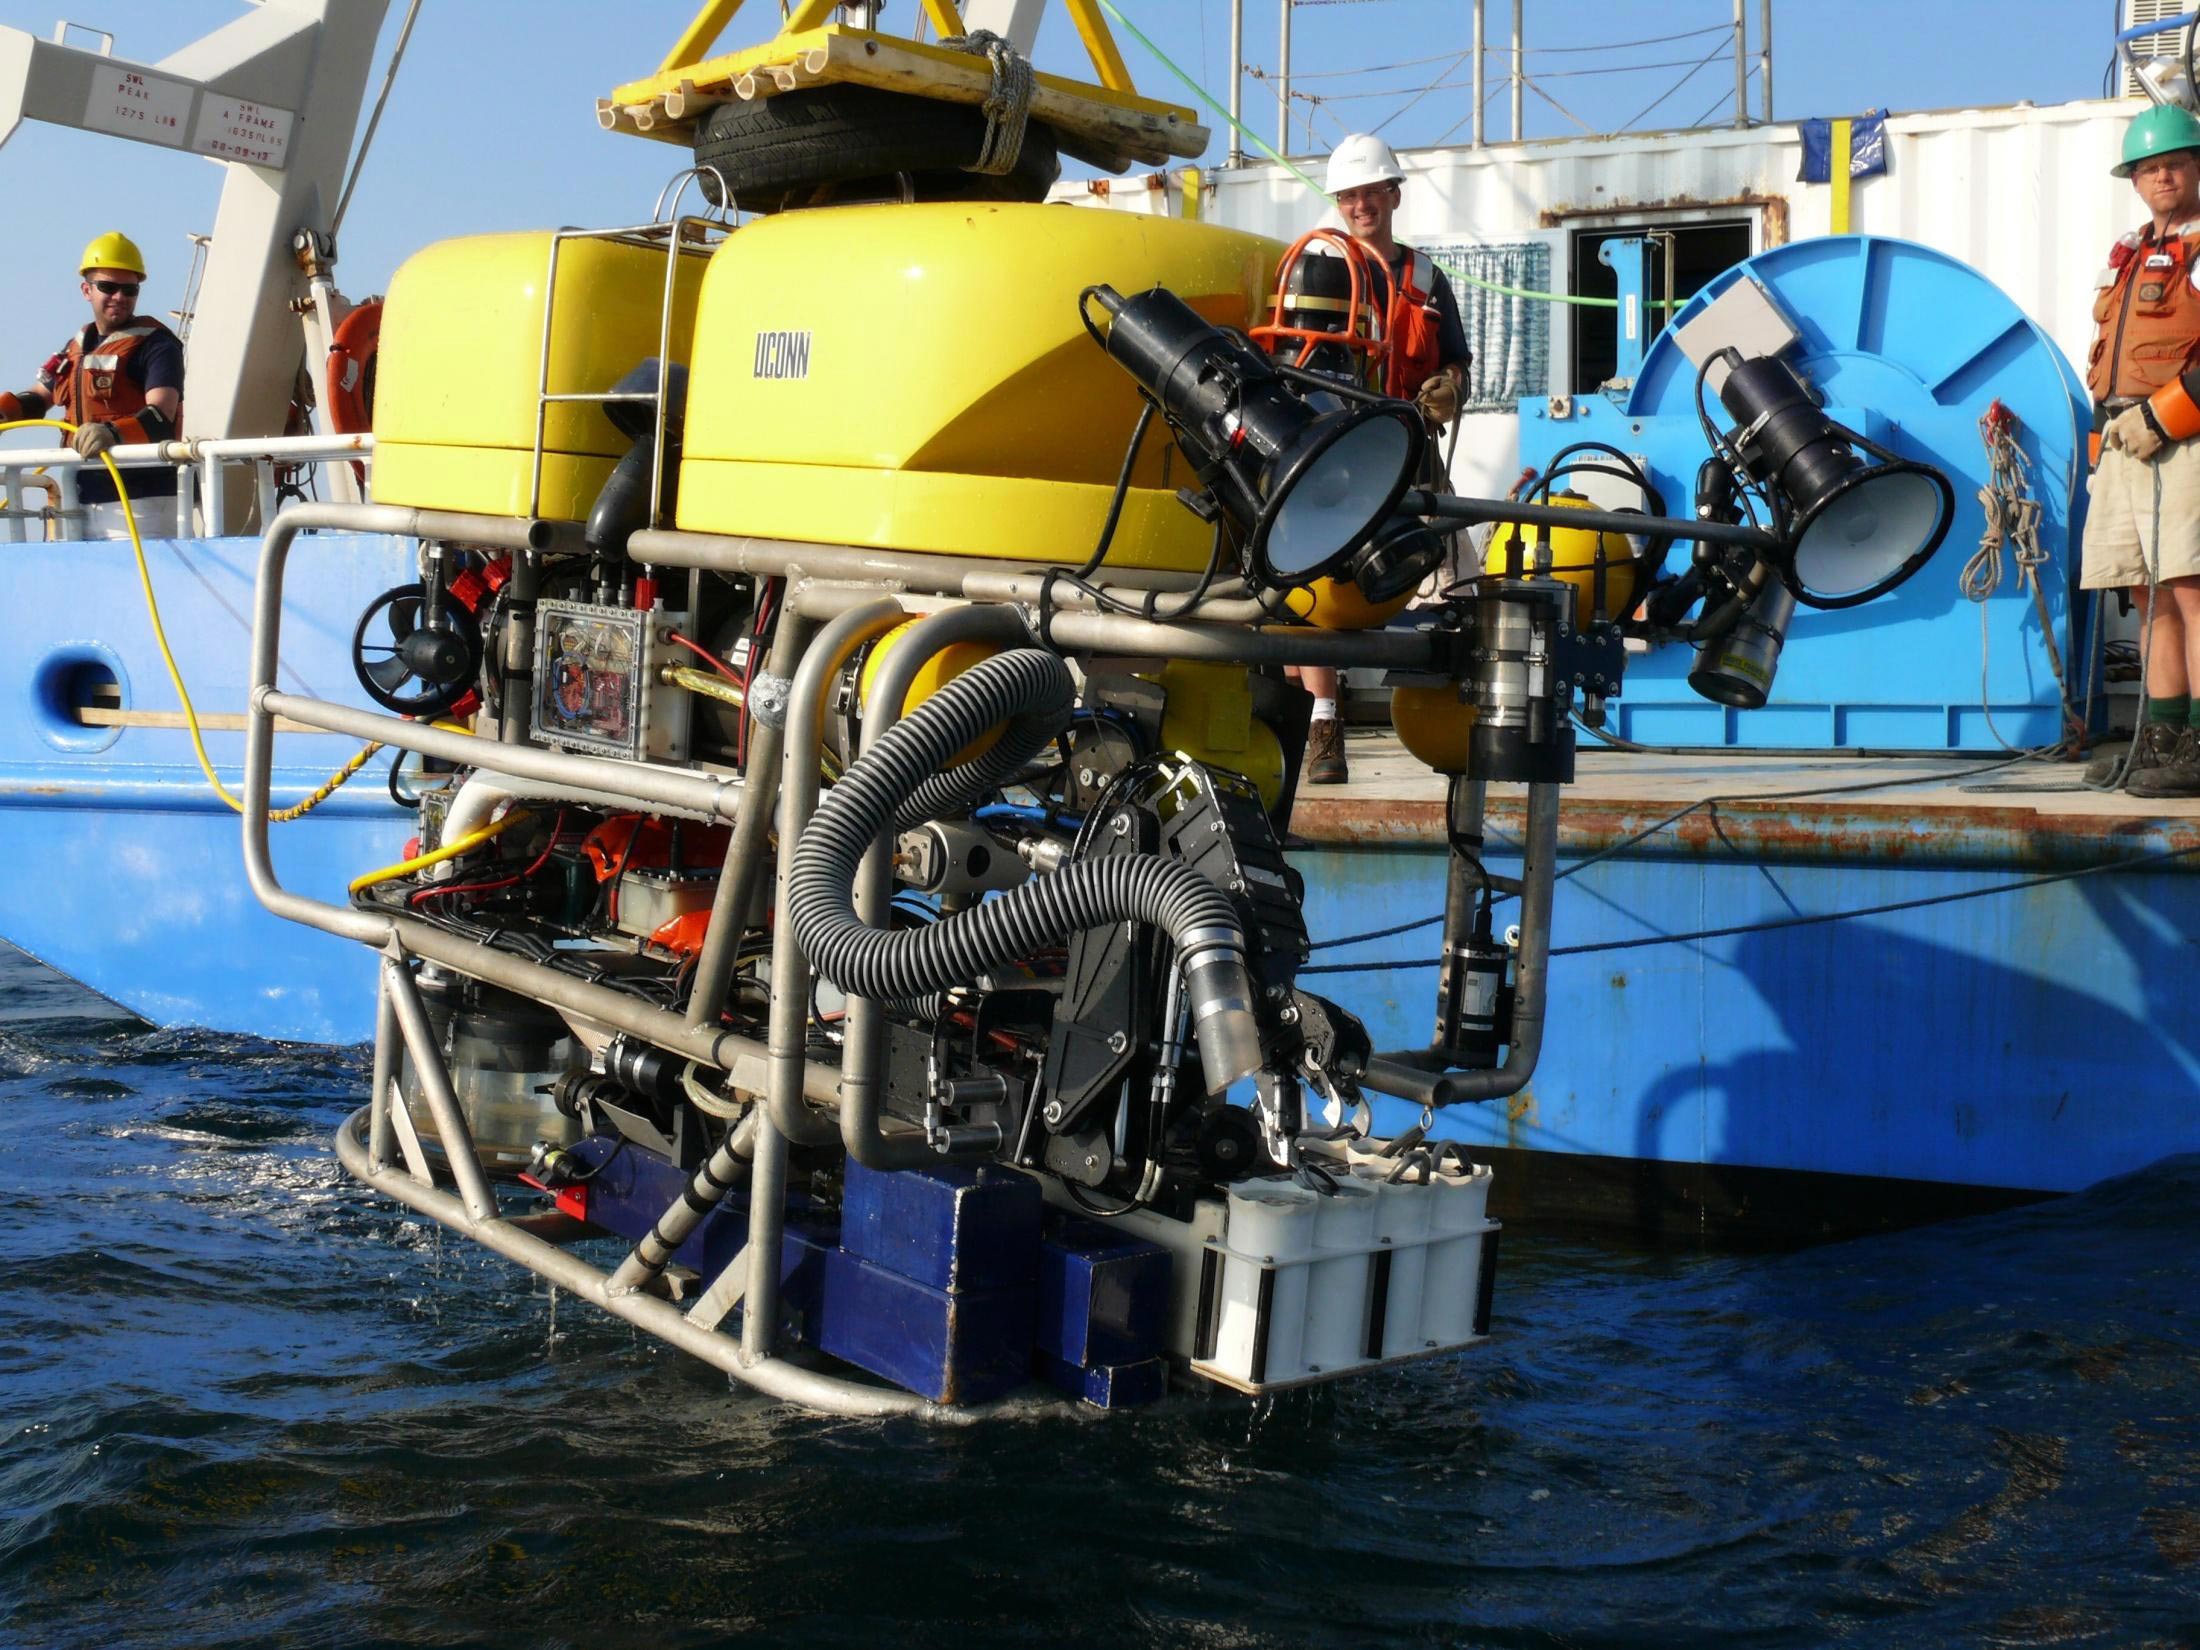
[1337, 1289]
[1270, 1232]
[1405, 1210]
[1459, 1232]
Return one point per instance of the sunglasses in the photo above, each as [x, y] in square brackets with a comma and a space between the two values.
[116, 289]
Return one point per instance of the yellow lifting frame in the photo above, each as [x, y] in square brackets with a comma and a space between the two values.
[702, 33]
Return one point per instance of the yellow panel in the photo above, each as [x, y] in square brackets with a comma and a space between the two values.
[917, 377]
[486, 481]
[700, 35]
[1107, 60]
[461, 354]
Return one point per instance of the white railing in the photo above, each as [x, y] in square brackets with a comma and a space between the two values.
[200, 507]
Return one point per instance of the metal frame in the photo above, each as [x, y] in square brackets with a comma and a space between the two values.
[680, 236]
[199, 467]
[835, 604]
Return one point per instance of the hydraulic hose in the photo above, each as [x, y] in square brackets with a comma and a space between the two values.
[1032, 691]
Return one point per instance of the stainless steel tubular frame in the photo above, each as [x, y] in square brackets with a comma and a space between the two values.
[1409, 1080]
[774, 1377]
[863, 1050]
[730, 912]
[791, 978]
[1219, 635]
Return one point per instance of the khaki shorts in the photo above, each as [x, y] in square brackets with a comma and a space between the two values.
[2119, 523]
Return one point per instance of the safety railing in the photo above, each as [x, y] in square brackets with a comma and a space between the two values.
[199, 506]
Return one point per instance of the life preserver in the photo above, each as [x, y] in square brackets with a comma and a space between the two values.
[1416, 339]
[349, 395]
[88, 383]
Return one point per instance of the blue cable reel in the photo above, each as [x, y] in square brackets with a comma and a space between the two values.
[1908, 348]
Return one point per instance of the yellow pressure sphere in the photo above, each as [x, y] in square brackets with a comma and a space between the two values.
[1573, 558]
[935, 673]
[1336, 604]
[1435, 725]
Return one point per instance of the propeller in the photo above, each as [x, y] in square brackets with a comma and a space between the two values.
[415, 668]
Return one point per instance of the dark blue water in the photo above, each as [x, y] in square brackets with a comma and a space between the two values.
[242, 1404]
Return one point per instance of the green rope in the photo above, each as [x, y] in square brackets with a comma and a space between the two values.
[1252, 137]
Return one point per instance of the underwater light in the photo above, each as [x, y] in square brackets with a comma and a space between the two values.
[1857, 531]
[1306, 484]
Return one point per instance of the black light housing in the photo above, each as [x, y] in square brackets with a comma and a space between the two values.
[1306, 484]
[1399, 554]
[1857, 530]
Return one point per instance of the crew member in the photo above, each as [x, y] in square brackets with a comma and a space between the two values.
[1428, 364]
[2144, 374]
[119, 380]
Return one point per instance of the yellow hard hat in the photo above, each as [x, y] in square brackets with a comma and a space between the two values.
[113, 250]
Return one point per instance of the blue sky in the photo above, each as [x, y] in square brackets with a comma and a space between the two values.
[492, 124]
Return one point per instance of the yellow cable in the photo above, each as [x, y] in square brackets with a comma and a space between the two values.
[450, 850]
[160, 636]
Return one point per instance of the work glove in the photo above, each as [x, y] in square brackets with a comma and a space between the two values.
[2131, 432]
[1438, 399]
[91, 440]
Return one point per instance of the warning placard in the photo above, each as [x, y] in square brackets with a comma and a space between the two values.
[133, 103]
[230, 128]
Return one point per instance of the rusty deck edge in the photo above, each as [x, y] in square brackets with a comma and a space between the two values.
[2013, 838]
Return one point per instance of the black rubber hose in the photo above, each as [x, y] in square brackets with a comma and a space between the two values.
[1025, 686]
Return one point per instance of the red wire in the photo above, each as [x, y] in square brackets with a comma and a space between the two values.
[708, 657]
[541, 860]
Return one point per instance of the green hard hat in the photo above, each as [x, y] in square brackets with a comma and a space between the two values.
[2161, 130]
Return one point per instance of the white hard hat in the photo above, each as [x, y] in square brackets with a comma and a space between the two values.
[1361, 159]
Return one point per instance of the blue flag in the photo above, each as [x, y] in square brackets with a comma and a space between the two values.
[1867, 147]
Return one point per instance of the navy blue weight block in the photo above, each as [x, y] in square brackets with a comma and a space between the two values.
[1103, 1294]
[961, 1226]
[1108, 1386]
[954, 1348]
[631, 1188]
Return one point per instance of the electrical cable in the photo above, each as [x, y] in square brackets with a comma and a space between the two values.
[450, 850]
[1801, 920]
[1672, 819]
[175, 676]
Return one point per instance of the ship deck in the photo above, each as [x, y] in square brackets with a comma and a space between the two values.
[1973, 808]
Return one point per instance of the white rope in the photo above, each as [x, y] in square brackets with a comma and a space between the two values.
[2012, 523]
[1007, 106]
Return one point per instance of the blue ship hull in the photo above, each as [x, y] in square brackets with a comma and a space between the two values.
[2011, 1044]
[124, 869]
[2015, 1045]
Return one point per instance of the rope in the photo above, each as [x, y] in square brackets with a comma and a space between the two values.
[175, 676]
[1007, 106]
[2149, 561]
[1612, 850]
[2013, 523]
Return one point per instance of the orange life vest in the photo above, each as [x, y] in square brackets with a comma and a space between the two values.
[2146, 312]
[1416, 340]
[92, 387]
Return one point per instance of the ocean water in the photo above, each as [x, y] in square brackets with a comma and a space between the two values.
[244, 1404]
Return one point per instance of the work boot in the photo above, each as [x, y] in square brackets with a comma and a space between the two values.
[2156, 740]
[1325, 763]
[2108, 758]
[2175, 775]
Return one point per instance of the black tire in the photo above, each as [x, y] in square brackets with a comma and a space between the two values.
[836, 142]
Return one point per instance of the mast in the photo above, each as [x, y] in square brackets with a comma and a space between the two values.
[1519, 72]
[1741, 65]
[1480, 8]
[1283, 86]
[1236, 156]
